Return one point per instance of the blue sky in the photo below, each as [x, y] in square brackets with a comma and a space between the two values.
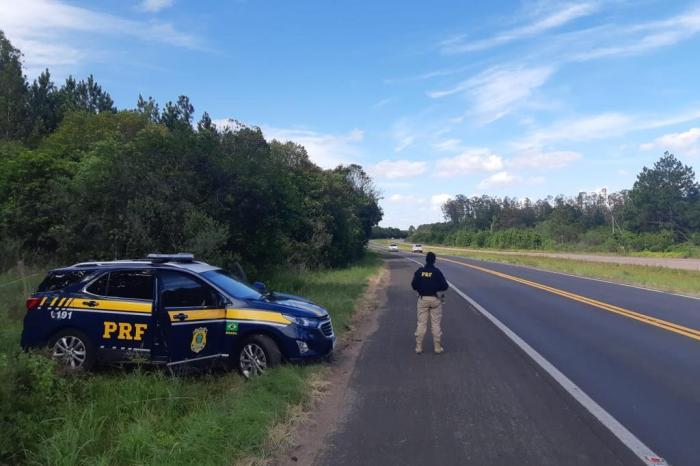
[518, 98]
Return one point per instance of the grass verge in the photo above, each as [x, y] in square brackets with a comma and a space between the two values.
[144, 416]
[658, 278]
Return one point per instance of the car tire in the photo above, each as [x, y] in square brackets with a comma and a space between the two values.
[73, 350]
[256, 354]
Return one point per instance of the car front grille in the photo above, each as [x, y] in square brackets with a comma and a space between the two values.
[327, 328]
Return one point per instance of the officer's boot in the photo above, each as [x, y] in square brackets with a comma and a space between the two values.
[419, 345]
[438, 347]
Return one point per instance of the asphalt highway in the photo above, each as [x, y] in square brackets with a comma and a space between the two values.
[635, 353]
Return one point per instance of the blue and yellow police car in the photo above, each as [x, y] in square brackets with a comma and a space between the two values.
[171, 309]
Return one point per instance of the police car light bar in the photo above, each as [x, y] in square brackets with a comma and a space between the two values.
[179, 257]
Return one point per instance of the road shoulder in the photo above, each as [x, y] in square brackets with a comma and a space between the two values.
[483, 402]
[307, 431]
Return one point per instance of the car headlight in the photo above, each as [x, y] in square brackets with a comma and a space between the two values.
[302, 321]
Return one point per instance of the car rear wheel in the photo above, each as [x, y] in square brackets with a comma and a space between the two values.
[257, 354]
[73, 350]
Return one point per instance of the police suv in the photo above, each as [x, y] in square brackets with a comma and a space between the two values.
[171, 309]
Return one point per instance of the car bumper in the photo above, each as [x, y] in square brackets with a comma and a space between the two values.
[308, 344]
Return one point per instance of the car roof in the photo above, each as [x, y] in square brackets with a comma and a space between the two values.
[193, 266]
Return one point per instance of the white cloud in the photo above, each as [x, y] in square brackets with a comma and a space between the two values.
[544, 160]
[404, 136]
[228, 124]
[583, 129]
[498, 91]
[154, 6]
[535, 180]
[430, 74]
[382, 103]
[45, 30]
[324, 149]
[686, 143]
[499, 179]
[394, 184]
[448, 145]
[437, 200]
[601, 126]
[406, 199]
[676, 118]
[393, 169]
[471, 161]
[639, 38]
[558, 18]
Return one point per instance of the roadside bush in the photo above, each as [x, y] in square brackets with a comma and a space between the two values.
[515, 238]
[460, 238]
[695, 238]
[654, 242]
[30, 391]
[595, 238]
[481, 239]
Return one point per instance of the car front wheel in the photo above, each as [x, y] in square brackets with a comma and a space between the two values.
[256, 354]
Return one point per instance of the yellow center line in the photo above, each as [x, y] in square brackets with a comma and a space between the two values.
[664, 324]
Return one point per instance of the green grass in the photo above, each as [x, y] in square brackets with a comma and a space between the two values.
[141, 415]
[659, 278]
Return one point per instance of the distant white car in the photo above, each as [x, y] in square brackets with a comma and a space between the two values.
[393, 247]
[417, 248]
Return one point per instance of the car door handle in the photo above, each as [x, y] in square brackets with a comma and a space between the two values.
[90, 303]
[181, 316]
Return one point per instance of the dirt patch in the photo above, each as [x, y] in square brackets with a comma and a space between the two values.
[300, 438]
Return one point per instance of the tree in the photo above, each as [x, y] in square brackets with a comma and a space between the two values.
[178, 115]
[13, 92]
[84, 96]
[149, 108]
[143, 180]
[665, 197]
[44, 106]
[205, 123]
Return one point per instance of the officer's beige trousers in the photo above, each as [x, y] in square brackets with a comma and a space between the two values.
[429, 306]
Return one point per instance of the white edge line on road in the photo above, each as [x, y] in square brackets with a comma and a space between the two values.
[642, 451]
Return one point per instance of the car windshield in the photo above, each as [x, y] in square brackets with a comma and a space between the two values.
[231, 285]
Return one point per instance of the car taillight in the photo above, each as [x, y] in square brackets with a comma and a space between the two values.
[33, 303]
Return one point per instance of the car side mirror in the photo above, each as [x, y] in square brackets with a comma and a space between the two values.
[260, 286]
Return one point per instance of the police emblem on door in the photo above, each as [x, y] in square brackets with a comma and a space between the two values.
[199, 339]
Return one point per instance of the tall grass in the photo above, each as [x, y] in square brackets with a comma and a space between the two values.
[142, 415]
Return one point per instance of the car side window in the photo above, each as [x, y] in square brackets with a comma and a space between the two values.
[130, 284]
[181, 290]
[60, 279]
[99, 286]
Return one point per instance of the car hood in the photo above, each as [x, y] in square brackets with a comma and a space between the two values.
[294, 305]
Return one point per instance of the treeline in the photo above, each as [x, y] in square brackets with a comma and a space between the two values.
[660, 213]
[388, 233]
[80, 180]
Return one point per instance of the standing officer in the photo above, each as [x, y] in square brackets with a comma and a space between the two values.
[428, 281]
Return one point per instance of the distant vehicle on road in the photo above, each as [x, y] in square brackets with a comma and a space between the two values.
[171, 310]
[393, 247]
[417, 248]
